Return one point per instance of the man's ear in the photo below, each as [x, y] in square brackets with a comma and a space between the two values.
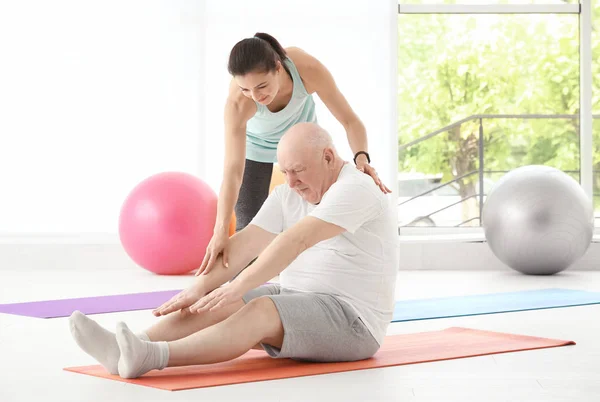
[329, 158]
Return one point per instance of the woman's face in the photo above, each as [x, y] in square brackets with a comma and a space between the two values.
[262, 87]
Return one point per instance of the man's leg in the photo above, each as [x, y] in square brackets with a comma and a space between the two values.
[180, 324]
[257, 322]
[101, 343]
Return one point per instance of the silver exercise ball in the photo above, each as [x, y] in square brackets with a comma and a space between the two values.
[538, 220]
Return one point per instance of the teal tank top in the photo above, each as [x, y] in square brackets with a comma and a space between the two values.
[265, 128]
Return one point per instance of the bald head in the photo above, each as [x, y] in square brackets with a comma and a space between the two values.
[308, 158]
[305, 138]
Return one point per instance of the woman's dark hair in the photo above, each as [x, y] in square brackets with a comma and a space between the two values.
[257, 54]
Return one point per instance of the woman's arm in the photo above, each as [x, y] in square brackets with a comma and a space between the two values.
[238, 110]
[317, 78]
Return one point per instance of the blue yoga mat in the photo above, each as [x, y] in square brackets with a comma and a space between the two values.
[491, 303]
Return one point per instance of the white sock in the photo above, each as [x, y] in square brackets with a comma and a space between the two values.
[138, 356]
[96, 341]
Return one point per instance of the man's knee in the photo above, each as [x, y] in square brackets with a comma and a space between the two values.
[262, 311]
[262, 308]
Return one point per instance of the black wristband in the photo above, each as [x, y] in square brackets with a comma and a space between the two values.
[362, 153]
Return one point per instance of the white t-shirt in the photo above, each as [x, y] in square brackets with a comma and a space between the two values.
[358, 266]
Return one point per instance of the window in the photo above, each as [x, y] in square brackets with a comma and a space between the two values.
[486, 2]
[507, 84]
[596, 105]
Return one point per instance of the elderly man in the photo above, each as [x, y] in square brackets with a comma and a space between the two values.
[330, 233]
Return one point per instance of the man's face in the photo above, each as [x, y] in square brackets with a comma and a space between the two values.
[305, 173]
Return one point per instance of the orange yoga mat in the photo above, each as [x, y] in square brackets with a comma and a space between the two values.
[451, 343]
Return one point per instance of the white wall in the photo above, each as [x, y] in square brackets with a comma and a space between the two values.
[354, 39]
[416, 256]
[94, 97]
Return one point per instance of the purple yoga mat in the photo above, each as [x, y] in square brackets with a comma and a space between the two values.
[89, 305]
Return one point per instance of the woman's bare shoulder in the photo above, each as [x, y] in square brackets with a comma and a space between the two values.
[299, 56]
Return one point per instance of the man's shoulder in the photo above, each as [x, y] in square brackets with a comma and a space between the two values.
[353, 189]
[351, 179]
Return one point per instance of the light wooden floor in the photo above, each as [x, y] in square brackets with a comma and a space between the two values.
[34, 351]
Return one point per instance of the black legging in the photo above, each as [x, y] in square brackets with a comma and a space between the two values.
[253, 192]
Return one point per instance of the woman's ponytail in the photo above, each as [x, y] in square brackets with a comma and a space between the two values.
[257, 54]
[274, 44]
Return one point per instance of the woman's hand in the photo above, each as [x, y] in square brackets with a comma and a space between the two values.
[368, 169]
[180, 301]
[218, 298]
[219, 244]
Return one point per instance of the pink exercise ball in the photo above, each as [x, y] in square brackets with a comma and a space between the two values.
[167, 221]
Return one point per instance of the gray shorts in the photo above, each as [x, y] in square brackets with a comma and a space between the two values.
[317, 327]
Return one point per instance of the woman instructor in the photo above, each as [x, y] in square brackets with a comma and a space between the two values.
[270, 91]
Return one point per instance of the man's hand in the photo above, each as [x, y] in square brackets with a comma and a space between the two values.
[180, 301]
[218, 298]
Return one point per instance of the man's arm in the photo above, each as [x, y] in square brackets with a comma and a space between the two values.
[245, 246]
[284, 249]
[345, 209]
